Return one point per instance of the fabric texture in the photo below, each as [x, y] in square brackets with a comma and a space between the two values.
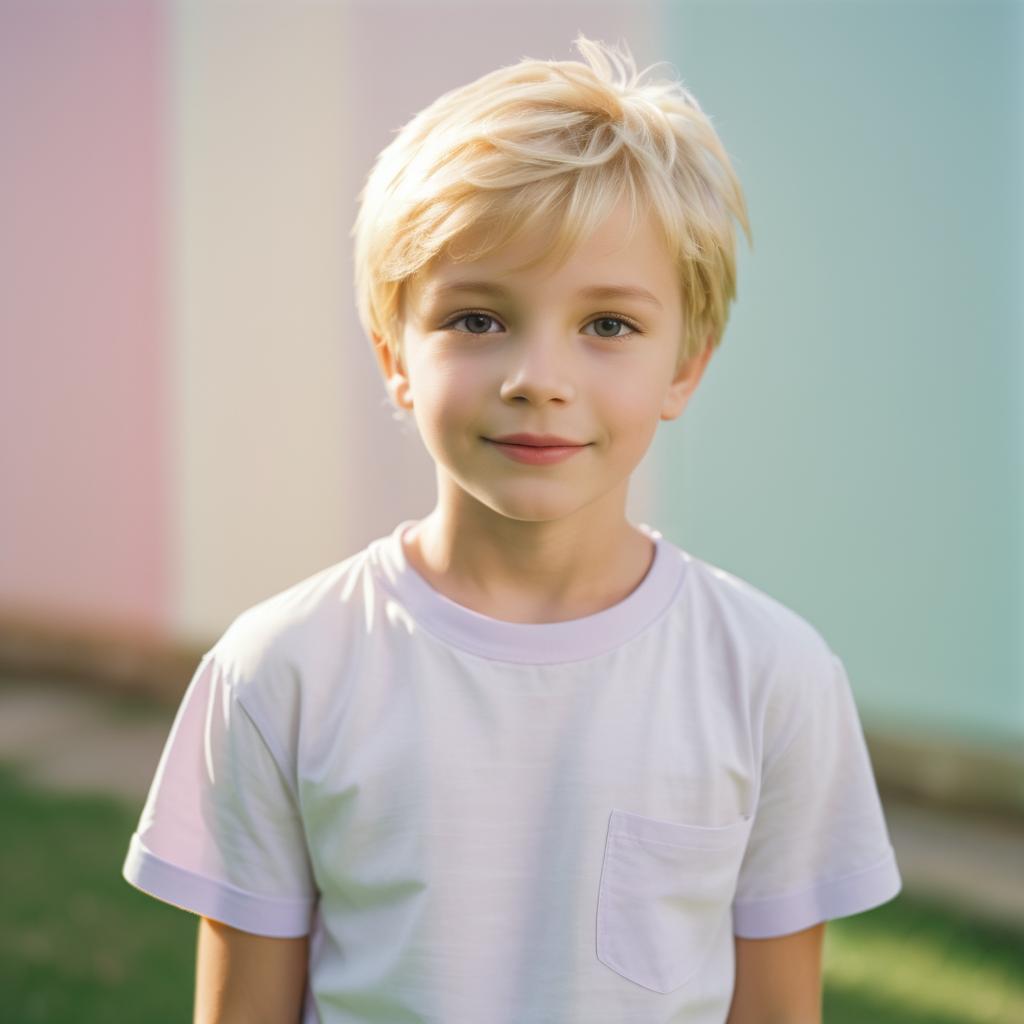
[480, 820]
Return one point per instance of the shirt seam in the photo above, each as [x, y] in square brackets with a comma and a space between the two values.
[269, 740]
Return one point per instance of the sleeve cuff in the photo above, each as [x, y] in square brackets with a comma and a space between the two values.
[209, 897]
[841, 897]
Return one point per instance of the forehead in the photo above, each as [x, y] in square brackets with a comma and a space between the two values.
[612, 263]
[440, 289]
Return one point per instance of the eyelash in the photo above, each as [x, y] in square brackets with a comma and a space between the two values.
[631, 324]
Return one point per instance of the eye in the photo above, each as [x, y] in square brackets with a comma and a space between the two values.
[604, 321]
[470, 317]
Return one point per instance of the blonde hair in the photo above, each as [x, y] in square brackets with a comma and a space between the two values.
[553, 144]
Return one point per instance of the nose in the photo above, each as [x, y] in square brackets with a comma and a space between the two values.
[539, 372]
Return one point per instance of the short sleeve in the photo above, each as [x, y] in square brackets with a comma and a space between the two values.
[220, 833]
[819, 847]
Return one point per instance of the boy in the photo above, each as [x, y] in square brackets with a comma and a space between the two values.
[522, 761]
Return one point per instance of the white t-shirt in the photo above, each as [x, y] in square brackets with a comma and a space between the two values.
[486, 822]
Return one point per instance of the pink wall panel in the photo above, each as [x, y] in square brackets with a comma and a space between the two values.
[82, 479]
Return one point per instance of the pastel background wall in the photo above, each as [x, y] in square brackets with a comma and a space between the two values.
[191, 417]
[858, 449]
[87, 405]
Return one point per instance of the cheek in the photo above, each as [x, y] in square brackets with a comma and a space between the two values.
[627, 401]
[447, 398]
[630, 415]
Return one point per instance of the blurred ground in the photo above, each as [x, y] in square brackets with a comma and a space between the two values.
[74, 739]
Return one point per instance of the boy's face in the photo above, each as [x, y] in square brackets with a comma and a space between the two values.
[544, 359]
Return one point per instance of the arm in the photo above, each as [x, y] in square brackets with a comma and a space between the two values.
[778, 980]
[242, 978]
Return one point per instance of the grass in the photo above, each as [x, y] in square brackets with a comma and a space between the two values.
[79, 944]
[916, 962]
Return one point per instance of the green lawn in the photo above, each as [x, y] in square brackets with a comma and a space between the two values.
[79, 945]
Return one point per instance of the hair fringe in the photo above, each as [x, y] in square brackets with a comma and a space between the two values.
[552, 144]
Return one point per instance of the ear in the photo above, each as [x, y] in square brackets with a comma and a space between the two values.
[688, 376]
[395, 376]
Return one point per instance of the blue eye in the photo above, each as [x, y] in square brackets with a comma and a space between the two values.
[472, 316]
[604, 319]
[614, 320]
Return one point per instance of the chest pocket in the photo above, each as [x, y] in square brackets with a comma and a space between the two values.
[665, 893]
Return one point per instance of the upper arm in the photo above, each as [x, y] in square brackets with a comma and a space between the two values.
[243, 977]
[778, 980]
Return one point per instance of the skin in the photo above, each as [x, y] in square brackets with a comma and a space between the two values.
[778, 980]
[540, 543]
[242, 978]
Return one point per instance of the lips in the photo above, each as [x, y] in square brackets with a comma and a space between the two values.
[537, 441]
[537, 454]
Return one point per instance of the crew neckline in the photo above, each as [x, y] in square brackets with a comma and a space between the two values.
[530, 642]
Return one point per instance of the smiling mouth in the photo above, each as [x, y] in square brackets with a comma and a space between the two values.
[523, 444]
[537, 454]
[537, 447]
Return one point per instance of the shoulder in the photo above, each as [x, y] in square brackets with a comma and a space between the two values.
[781, 656]
[737, 614]
[790, 676]
[270, 649]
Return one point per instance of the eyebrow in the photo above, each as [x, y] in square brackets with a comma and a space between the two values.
[594, 291]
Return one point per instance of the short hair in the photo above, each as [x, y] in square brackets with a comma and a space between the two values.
[552, 144]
